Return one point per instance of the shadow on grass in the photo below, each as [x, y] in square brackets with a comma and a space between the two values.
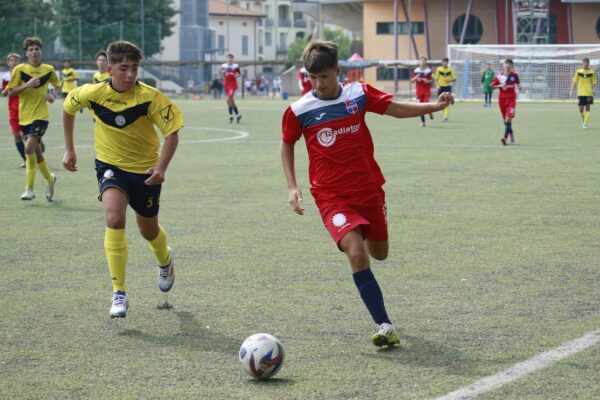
[191, 334]
[424, 353]
[272, 382]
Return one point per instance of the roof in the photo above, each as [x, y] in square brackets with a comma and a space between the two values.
[217, 8]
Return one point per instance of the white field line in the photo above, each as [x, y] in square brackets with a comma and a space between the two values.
[525, 368]
[236, 135]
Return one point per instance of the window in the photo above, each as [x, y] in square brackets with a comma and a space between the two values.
[284, 12]
[298, 16]
[221, 40]
[244, 45]
[473, 32]
[299, 35]
[267, 10]
[268, 39]
[387, 74]
[387, 28]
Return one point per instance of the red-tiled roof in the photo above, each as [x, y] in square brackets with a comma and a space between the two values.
[217, 8]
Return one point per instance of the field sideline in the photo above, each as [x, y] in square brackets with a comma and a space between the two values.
[494, 258]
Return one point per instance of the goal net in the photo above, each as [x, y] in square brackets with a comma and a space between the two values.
[546, 71]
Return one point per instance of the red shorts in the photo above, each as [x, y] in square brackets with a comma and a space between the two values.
[13, 120]
[507, 106]
[423, 97]
[230, 91]
[339, 219]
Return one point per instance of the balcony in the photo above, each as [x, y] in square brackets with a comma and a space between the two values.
[282, 49]
[269, 22]
[300, 23]
[285, 23]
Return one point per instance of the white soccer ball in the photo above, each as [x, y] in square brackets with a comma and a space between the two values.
[261, 355]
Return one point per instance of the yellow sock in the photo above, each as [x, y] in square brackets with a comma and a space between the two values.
[43, 167]
[115, 248]
[446, 112]
[30, 170]
[582, 115]
[586, 117]
[159, 247]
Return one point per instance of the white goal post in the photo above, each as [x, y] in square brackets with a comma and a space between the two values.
[546, 71]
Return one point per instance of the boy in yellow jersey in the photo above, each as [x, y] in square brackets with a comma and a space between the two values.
[30, 82]
[444, 76]
[129, 168]
[102, 64]
[585, 80]
[69, 78]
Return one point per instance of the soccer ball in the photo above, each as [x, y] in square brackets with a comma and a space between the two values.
[261, 355]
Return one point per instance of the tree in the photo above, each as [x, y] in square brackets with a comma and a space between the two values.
[23, 18]
[343, 41]
[294, 55]
[103, 21]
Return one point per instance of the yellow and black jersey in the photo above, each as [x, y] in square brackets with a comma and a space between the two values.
[124, 132]
[444, 76]
[100, 77]
[32, 101]
[69, 79]
[585, 80]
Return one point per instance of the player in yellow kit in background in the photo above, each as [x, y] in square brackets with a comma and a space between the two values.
[585, 80]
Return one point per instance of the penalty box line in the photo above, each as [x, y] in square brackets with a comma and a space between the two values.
[524, 368]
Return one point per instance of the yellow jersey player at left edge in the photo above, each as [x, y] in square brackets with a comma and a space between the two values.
[30, 82]
[129, 167]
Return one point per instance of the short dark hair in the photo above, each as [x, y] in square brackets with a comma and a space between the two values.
[101, 53]
[121, 50]
[32, 41]
[67, 60]
[586, 60]
[230, 55]
[445, 59]
[320, 55]
[509, 61]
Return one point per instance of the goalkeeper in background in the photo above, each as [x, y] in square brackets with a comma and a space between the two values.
[487, 76]
[585, 80]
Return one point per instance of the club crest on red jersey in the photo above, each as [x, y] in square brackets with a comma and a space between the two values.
[351, 106]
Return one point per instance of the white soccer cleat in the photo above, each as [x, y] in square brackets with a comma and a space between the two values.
[584, 126]
[120, 304]
[50, 188]
[386, 336]
[166, 275]
[28, 194]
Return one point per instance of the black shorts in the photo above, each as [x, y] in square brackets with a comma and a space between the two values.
[36, 128]
[585, 101]
[64, 95]
[144, 199]
[444, 89]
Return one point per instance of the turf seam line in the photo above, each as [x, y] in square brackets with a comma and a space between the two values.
[524, 368]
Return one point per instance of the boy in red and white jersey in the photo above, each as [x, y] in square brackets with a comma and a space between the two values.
[506, 82]
[230, 72]
[423, 77]
[345, 179]
[304, 84]
[13, 106]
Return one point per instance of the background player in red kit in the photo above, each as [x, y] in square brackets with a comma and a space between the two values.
[13, 106]
[230, 72]
[423, 76]
[506, 81]
[346, 181]
[303, 82]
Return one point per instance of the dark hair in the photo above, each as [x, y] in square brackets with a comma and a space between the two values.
[586, 60]
[319, 56]
[101, 53]
[32, 41]
[509, 61]
[445, 59]
[423, 58]
[122, 50]
[230, 55]
[67, 60]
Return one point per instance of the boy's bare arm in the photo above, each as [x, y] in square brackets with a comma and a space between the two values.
[157, 172]
[294, 192]
[69, 158]
[407, 110]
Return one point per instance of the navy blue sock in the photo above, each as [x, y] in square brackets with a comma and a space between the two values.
[507, 129]
[21, 149]
[371, 295]
[422, 118]
[230, 110]
[236, 110]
